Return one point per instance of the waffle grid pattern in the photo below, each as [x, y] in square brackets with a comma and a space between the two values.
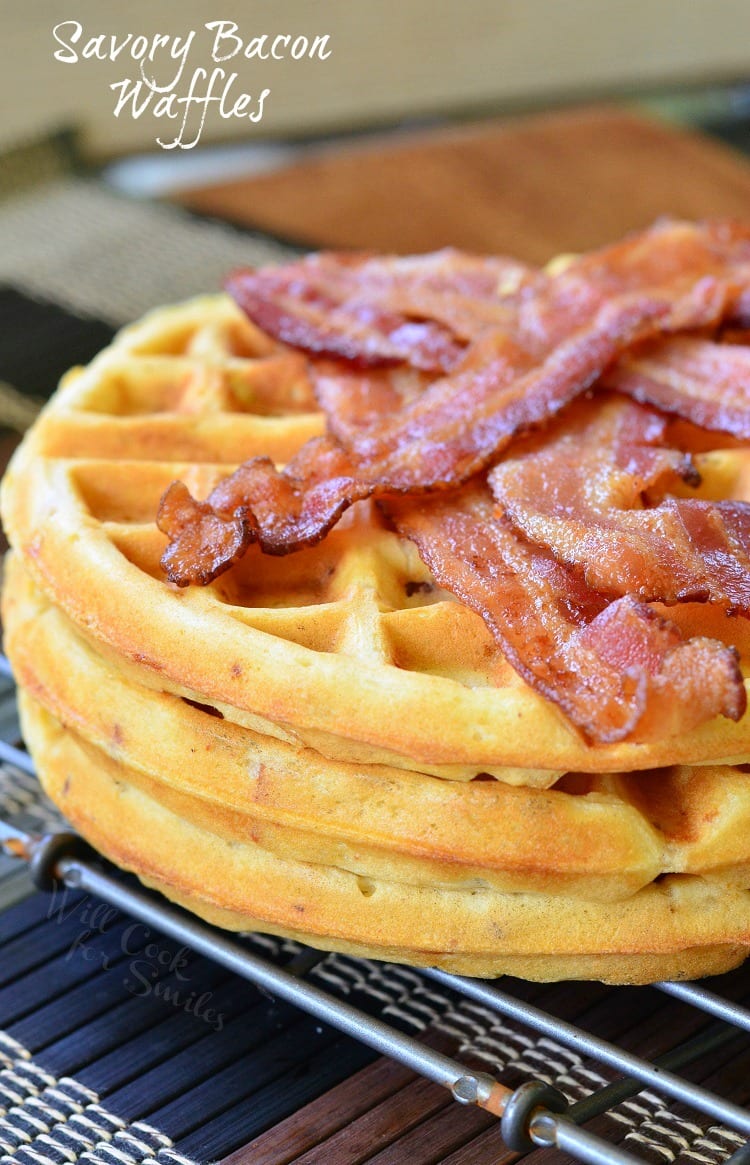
[346, 666]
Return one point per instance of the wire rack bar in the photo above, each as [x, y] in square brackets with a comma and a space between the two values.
[279, 982]
[590, 1045]
[568, 1138]
[709, 1002]
[686, 1053]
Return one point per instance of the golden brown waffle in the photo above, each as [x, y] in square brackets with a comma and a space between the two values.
[486, 879]
[266, 749]
[347, 647]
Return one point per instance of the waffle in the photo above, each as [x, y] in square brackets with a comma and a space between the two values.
[266, 749]
[347, 647]
[242, 842]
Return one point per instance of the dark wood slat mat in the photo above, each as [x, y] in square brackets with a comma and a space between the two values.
[387, 1116]
[97, 996]
[157, 1032]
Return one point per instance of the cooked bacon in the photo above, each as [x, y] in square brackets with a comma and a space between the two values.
[420, 310]
[356, 399]
[714, 257]
[423, 310]
[705, 382]
[444, 436]
[564, 336]
[461, 423]
[581, 497]
[210, 544]
[424, 388]
[287, 511]
[615, 669]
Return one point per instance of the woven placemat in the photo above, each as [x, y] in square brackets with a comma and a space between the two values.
[78, 244]
[76, 261]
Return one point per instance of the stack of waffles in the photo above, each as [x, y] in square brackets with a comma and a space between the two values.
[327, 745]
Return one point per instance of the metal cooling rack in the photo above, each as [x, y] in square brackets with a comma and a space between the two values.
[533, 1115]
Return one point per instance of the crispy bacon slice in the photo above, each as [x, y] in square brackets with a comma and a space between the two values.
[705, 382]
[420, 310]
[423, 310]
[210, 543]
[460, 423]
[615, 669]
[565, 336]
[289, 510]
[667, 254]
[581, 497]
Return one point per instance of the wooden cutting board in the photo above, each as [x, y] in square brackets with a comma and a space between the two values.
[531, 187]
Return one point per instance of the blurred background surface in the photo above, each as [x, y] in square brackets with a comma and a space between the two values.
[394, 63]
[518, 126]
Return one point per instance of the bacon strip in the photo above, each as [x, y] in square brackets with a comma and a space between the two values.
[423, 309]
[565, 337]
[580, 497]
[420, 310]
[615, 669]
[704, 382]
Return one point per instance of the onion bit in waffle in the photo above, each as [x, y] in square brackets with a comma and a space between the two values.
[463, 684]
